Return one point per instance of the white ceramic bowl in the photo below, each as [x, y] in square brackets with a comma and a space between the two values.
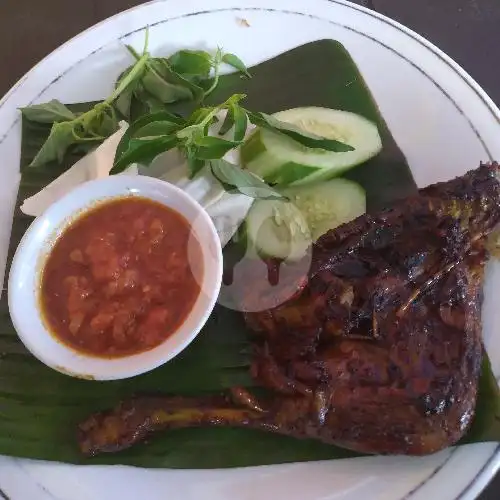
[24, 278]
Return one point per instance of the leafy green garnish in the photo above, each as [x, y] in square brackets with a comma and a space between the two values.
[149, 85]
[187, 75]
[156, 82]
[240, 118]
[231, 177]
[236, 63]
[160, 132]
[216, 62]
[49, 112]
[94, 125]
[194, 65]
[305, 138]
[235, 117]
[156, 127]
[55, 147]
[228, 122]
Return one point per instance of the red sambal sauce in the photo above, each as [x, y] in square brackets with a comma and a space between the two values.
[121, 278]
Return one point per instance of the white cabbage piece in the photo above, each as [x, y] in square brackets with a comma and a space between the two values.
[95, 165]
[228, 213]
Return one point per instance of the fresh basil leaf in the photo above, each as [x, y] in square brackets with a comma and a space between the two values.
[94, 125]
[194, 164]
[200, 115]
[151, 103]
[209, 147]
[139, 109]
[163, 90]
[236, 116]
[202, 119]
[228, 122]
[191, 64]
[212, 153]
[161, 116]
[129, 81]
[163, 68]
[188, 135]
[210, 141]
[205, 86]
[240, 123]
[155, 129]
[142, 151]
[147, 101]
[100, 122]
[48, 112]
[236, 62]
[61, 137]
[124, 100]
[105, 123]
[301, 136]
[197, 91]
[232, 176]
[234, 99]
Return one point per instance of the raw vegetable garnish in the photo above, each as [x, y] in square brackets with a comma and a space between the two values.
[148, 86]
[159, 132]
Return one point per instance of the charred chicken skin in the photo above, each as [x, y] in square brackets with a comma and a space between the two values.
[380, 351]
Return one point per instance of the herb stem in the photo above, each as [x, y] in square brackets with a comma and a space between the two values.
[146, 42]
[215, 82]
[134, 52]
[216, 65]
[137, 69]
[132, 76]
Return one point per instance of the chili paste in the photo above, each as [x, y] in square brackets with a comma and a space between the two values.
[121, 278]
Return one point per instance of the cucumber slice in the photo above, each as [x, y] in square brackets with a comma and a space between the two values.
[281, 160]
[277, 228]
[328, 204]
[286, 228]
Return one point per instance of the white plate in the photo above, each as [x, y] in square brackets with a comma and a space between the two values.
[442, 120]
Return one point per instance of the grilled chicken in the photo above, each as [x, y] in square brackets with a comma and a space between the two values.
[379, 351]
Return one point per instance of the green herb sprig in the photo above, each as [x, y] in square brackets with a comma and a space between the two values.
[69, 128]
[187, 75]
[148, 86]
[159, 132]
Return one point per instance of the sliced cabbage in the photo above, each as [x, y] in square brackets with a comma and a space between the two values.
[95, 165]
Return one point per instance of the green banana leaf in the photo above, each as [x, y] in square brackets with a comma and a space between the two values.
[40, 408]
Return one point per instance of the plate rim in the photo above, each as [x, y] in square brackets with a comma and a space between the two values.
[490, 468]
